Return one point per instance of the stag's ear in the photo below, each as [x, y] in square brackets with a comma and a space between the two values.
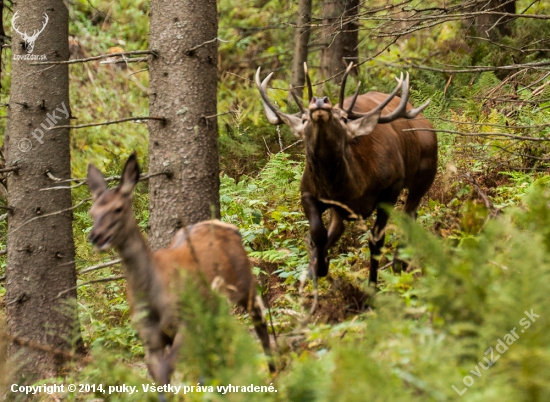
[130, 175]
[96, 181]
[296, 125]
[293, 121]
[363, 125]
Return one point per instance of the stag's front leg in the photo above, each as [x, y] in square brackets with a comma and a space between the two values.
[318, 232]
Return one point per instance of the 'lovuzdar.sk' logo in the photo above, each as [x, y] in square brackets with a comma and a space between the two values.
[29, 39]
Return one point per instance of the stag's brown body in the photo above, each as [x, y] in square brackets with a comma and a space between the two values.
[209, 253]
[367, 170]
[360, 155]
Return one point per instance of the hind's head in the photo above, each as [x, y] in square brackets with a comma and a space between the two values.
[112, 208]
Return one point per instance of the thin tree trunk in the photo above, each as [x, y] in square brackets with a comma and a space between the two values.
[495, 26]
[2, 37]
[183, 89]
[301, 41]
[340, 35]
[40, 247]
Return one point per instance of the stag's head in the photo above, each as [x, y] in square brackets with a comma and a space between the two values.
[112, 208]
[321, 118]
[29, 39]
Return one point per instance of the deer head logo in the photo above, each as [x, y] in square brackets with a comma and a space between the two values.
[29, 39]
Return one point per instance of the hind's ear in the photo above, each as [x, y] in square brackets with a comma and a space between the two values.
[96, 181]
[130, 175]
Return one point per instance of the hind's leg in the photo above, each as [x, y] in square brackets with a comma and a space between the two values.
[168, 364]
[260, 326]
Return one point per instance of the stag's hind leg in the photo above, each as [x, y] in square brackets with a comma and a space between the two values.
[335, 229]
[376, 242]
[411, 205]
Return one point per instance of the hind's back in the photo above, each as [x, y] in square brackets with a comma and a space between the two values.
[212, 250]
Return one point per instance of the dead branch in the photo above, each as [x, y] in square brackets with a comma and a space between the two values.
[451, 17]
[488, 203]
[537, 158]
[219, 114]
[100, 266]
[102, 56]
[108, 279]
[50, 214]
[106, 123]
[480, 69]
[515, 137]
[82, 181]
[191, 50]
[291, 145]
[69, 355]
[489, 124]
[138, 71]
[373, 57]
[125, 61]
[11, 169]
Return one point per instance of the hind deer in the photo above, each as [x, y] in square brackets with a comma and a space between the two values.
[210, 250]
[357, 160]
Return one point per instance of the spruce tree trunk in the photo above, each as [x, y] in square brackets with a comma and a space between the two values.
[301, 41]
[183, 89]
[40, 247]
[340, 35]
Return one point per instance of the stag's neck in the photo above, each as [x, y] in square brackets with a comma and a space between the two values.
[141, 272]
[329, 163]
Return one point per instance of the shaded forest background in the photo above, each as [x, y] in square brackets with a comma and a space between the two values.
[480, 248]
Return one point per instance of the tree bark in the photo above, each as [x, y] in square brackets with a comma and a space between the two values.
[41, 251]
[183, 87]
[301, 41]
[340, 35]
[495, 26]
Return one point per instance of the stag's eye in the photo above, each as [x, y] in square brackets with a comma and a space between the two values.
[344, 119]
[118, 210]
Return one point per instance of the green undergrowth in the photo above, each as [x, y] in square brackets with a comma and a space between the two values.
[458, 321]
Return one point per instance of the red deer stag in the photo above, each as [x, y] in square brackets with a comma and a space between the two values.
[357, 160]
[210, 250]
